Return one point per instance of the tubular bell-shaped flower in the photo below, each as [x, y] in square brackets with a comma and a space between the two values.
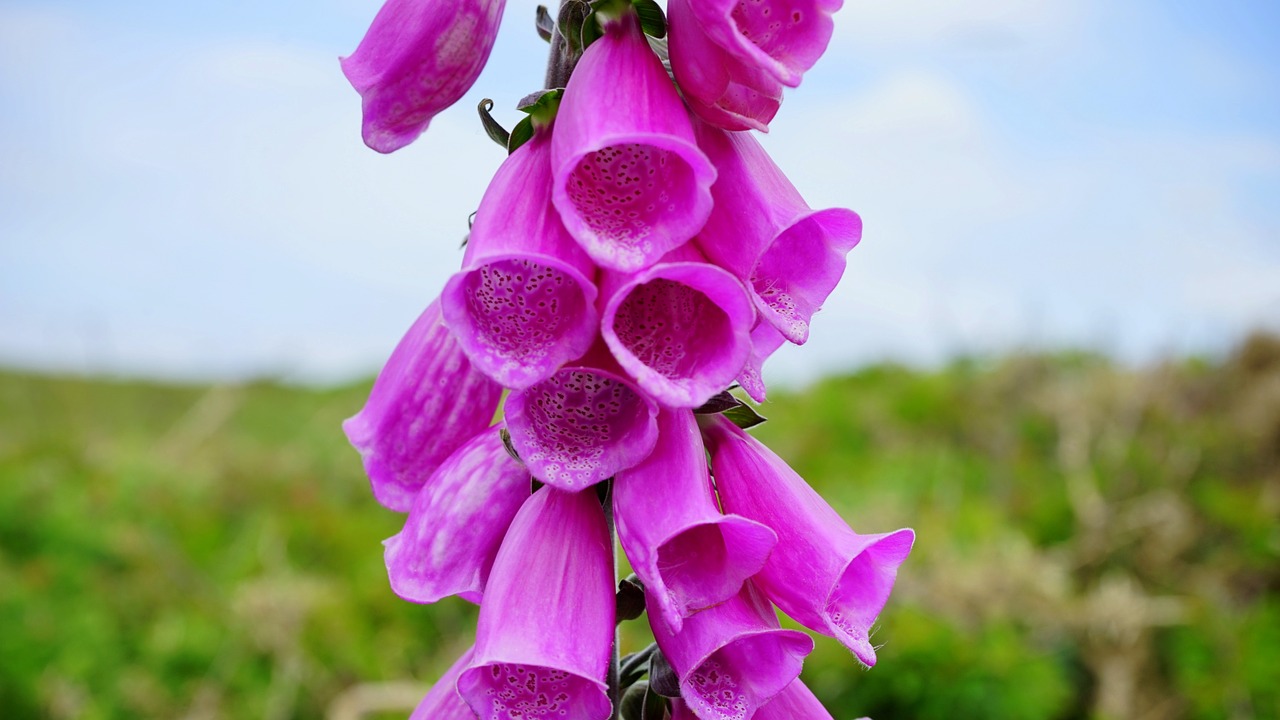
[545, 631]
[789, 256]
[418, 58]
[443, 701]
[630, 182]
[689, 556]
[795, 702]
[732, 658]
[718, 86]
[821, 573]
[412, 420]
[681, 328]
[784, 37]
[583, 424]
[457, 523]
[524, 302]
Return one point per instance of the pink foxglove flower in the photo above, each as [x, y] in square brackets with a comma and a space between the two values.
[545, 633]
[457, 523]
[582, 425]
[418, 58]
[784, 37]
[443, 701]
[689, 556]
[821, 573]
[718, 86]
[734, 657]
[789, 256]
[681, 328]
[630, 182]
[524, 302]
[412, 420]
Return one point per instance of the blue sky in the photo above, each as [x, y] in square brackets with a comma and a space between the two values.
[183, 191]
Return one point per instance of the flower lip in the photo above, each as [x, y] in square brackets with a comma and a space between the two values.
[580, 426]
[630, 198]
[534, 692]
[703, 564]
[752, 658]
[785, 37]
[862, 590]
[519, 316]
[681, 329]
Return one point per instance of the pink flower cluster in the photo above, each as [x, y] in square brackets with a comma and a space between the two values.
[633, 259]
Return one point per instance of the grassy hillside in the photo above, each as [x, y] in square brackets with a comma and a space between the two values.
[1093, 542]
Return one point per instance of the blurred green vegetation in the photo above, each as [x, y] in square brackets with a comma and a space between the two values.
[1093, 542]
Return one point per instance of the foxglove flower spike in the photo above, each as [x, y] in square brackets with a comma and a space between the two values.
[524, 302]
[630, 182]
[457, 523]
[545, 633]
[418, 58]
[413, 420]
[821, 573]
[689, 556]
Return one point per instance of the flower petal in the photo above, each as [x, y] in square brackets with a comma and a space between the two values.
[733, 657]
[630, 182]
[689, 556]
[821, 573]
[443, 701]
[545, 633]
[681, 328]
[457, 523]
[413, 420]
[418, 58]
[784, 37]
[524, 302]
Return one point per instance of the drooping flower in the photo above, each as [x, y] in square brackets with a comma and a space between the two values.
[718, 86]
[418, 58]
[761, 230]
[821, 573]
[457, 523]
[524, 302]
[689, 556]
[732, 658]
[630, 182]
[583, 424]
[413, 420]
[443, 701]
[784, 37]
[681, 328]
[545, 633]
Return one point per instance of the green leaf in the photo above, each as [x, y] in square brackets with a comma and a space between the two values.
[718, 404]
[520, 134]
[744, 416]
[545, 24]
[496, 132]
[652, 21]
[574, 16]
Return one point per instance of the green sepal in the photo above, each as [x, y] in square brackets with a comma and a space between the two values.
[505, 434]
[718, 404]
[542, 105]
[496, 132]
[634, 666]
[641, 703]
[652, 20]
[544, 23]
[575, 18]
[662, 677]
[744, 416]
[630, 600]
[520, 134]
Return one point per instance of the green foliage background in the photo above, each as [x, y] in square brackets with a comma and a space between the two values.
[1094, 541]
